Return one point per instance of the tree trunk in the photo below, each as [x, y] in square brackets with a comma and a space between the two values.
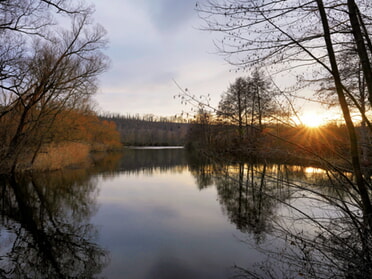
[360, 45]
[363, 191]
[240, 116]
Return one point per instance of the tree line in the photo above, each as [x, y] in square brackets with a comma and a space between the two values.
[149, 130]
[251, 121]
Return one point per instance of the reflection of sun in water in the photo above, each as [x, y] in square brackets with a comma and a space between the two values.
[313, 119]
[311, 170]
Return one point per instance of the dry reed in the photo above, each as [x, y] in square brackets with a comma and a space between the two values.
[62, 155]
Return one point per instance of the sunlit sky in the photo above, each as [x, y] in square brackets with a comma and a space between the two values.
[153, 43]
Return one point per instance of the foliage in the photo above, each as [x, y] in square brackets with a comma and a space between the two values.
[45, 69]
[85, 126]
[67, 141]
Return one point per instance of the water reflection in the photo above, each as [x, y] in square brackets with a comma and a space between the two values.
[246, 193]
[159, 217]
[45, 229]
[158, 224]
[147, 161]
[310, 217]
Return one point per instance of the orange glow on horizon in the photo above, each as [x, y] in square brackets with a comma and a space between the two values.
[313, 119]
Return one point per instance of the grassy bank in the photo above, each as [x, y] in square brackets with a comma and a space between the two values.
[62, 155]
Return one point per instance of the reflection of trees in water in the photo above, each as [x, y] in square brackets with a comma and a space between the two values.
[45, 222]
[313, 218]
[245, 192]
[145, 161]
[148, 161]
[324, 226]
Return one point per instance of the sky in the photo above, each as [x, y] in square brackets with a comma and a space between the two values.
[151, 45]
[155, 43]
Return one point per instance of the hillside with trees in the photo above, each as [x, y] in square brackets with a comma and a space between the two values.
[149, 130]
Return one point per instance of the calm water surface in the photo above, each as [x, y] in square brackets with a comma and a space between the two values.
[157, 223]
[144, 213]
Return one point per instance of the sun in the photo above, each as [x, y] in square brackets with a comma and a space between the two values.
[313, 119]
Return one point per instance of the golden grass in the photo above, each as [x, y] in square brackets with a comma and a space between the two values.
[62, 155]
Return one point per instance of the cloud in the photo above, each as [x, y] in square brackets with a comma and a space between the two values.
[152, 43]
[170, 15]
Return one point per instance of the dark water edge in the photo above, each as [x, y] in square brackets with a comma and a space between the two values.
[166, 213]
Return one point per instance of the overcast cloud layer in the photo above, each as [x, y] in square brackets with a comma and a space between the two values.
[153, 43]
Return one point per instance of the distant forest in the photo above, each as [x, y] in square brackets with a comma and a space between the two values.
[149, 130]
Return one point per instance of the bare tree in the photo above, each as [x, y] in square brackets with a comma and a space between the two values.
[53, 75]
[362, 42]
[34, 17]
[248, 102]
[287, 35]
[21, 20]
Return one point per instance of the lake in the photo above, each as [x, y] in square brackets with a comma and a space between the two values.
[164, 213]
